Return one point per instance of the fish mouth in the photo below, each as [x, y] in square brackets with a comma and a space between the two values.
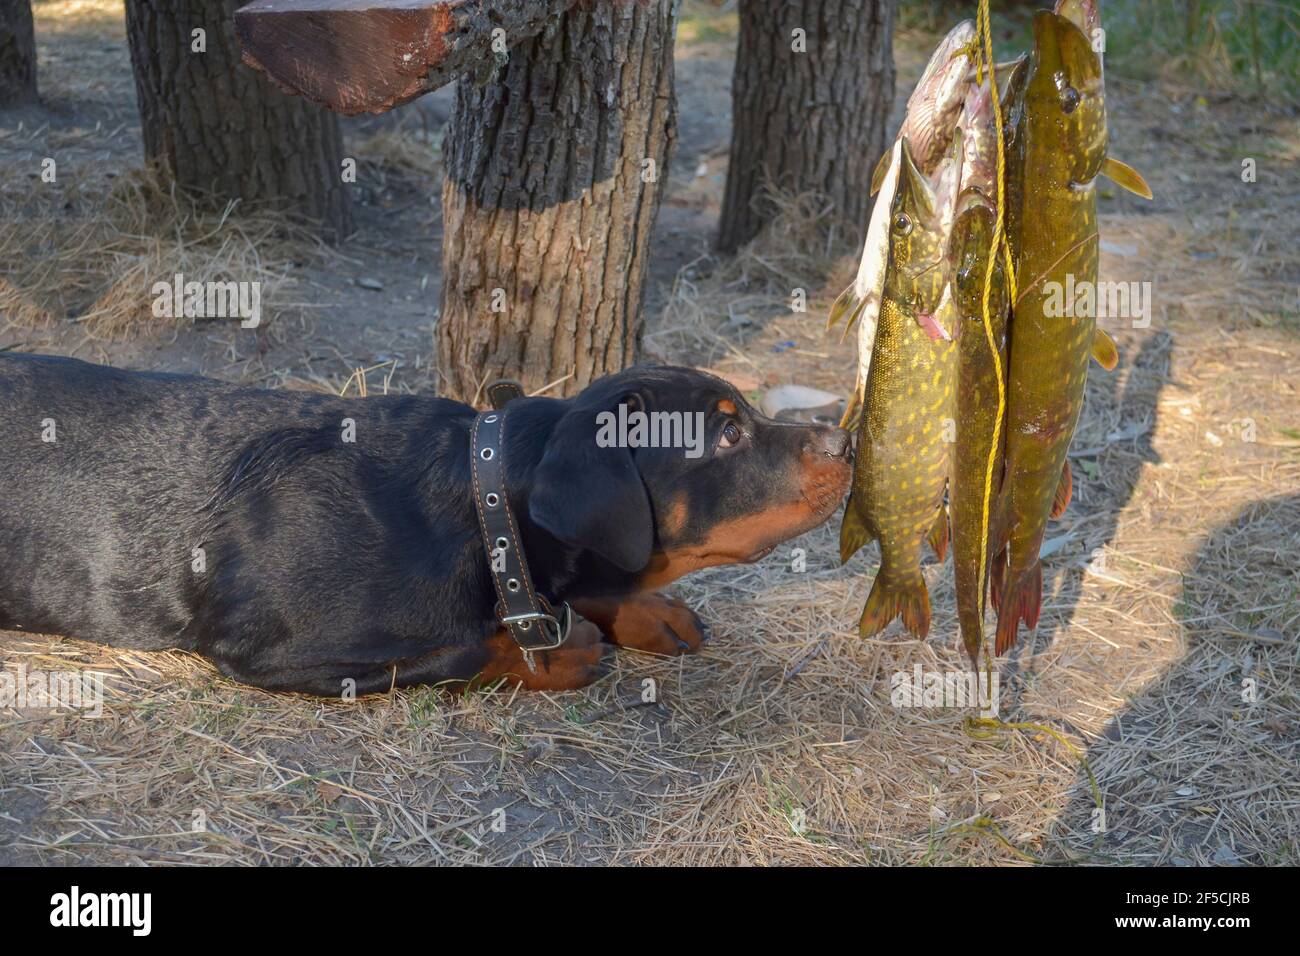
[912, 184]
[1082, 13]
[932, 327]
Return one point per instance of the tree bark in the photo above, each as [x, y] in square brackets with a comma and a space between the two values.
[554, 174]
[17, 53]
[221, 130]
[807, 121]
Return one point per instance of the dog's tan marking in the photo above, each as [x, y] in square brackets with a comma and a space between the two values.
[575, 664]
[650, 622]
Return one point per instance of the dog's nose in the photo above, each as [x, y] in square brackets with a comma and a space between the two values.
[832, 442]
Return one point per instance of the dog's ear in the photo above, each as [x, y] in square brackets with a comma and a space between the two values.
[592, 497]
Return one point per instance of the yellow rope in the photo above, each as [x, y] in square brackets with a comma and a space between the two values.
[999, 243]
[988, 728]
[985, 728]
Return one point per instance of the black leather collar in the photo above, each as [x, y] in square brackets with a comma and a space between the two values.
[531, 620]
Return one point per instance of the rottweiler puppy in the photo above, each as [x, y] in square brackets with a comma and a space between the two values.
[301, 541]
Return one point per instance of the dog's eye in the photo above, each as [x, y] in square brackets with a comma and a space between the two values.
[730, 435]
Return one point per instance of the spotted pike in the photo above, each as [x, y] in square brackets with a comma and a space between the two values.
[1057, 146]
[902, 459]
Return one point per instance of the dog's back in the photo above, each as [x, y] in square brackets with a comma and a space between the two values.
[113, 484]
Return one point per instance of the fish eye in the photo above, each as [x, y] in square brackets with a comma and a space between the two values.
[1069, 99]
[902, 224]
[731, 435]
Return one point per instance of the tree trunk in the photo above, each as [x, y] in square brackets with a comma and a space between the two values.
[220, 129]
[17, 53]
[808, 110]
[554, 169]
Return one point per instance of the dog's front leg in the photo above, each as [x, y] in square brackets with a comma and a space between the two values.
[648, 621]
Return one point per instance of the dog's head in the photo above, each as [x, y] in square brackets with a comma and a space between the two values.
[665, 470]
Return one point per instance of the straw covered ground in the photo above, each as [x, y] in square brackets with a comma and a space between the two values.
[1164, 667]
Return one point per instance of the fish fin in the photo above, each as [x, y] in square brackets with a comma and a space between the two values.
[1125, 176]
[1104, 351]
[881, 170]
[1021, 601]
[1063, 492]
[911, 178]
[854, 316]
[889, 600]
[853, 532]
[852, 411]
[842, 304]
[938, 536]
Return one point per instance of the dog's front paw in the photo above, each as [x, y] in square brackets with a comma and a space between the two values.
[654, 623]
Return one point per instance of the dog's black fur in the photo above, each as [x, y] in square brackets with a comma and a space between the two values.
[177, 511]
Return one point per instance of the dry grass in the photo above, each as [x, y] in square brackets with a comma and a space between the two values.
[97, 263]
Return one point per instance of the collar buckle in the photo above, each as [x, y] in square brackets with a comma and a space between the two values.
[553, 627]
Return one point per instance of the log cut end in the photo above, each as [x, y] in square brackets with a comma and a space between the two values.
[368, 56]
[353, 56]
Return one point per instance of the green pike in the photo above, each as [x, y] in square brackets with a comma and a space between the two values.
[1057, 147]
[977, 407]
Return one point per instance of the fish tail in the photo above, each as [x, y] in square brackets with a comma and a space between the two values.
[853, 532]
[891, 598]
[1063, 492]
[939, 534]
[1021, 601]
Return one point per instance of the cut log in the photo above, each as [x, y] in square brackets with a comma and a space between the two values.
[367, 56]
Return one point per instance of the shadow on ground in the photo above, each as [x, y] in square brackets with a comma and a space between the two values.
[1200, 768]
